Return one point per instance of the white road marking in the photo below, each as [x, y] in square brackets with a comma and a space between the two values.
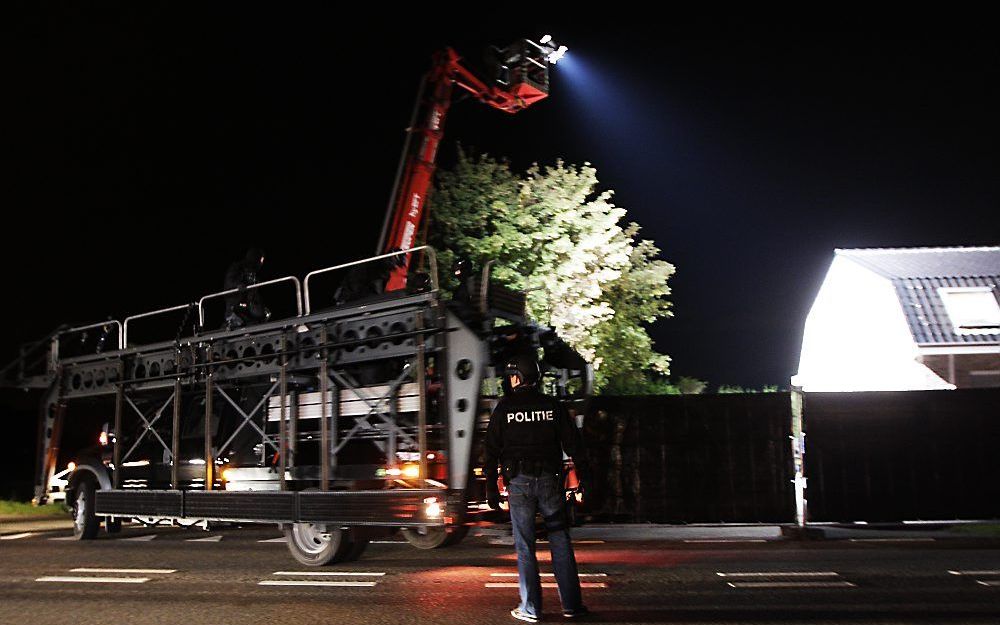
[891, 540]
[388, 542]
[791, 584]
[331, 573]
[544, 585]
[142, 539]
[139, 571]
[974, 572]
[280, 539]
[780, 574]
[17, 536]
[207, 539]
[726, 540]
[295, 582]
[94, 580]
[64, 538]
[989, 582]
[549, 574]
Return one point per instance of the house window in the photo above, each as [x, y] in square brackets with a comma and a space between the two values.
[971, 309]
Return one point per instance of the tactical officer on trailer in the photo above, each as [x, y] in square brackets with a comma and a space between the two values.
[527, 434]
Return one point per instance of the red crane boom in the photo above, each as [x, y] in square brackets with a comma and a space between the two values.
[521, 79]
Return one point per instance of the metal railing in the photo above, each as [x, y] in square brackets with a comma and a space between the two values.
[302, 295]
[92, 326]
[292, 279]
[431, 255]
[31, 355]
[124, 334]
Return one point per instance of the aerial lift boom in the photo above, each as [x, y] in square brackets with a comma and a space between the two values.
[520, 79]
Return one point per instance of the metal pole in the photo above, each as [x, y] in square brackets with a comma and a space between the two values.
[422, 389]
[119, 404]
[54, 442]
[209, 392]
[334, 391]
[282, 441]
[324, 426]
[293, 427]
[175, 430]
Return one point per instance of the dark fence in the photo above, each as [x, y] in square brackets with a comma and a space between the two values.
[692, 458]
[931, 455]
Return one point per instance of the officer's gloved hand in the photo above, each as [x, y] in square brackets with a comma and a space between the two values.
[492, 494]
[583, 483]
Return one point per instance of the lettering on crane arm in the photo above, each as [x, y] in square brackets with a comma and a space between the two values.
[408, 231]
[415, 205]
[528, 416]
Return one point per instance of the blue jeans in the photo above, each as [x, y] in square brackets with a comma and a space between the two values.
[527, 496]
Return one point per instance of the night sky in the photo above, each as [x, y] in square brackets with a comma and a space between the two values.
[152, 147]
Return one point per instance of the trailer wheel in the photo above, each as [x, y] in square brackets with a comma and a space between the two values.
[434, 537]
[85, 522]
[315, 545]
[456, 535]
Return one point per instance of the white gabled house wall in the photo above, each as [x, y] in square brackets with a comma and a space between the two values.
[857, 339]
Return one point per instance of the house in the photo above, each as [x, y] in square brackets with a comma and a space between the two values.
[904, 319]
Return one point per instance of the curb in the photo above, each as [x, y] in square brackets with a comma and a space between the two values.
[32, 519]
[40, 525]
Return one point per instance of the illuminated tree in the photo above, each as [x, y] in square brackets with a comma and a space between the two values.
[555, 236]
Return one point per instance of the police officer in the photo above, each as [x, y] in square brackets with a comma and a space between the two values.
[527, 434]
[369, 279]
[245, 306]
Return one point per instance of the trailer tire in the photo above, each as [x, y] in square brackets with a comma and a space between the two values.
[85, 522]
[456, 536]
[316, 545]
[434, 537]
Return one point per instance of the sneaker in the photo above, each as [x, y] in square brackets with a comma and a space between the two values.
[521, 615]
[577, 613]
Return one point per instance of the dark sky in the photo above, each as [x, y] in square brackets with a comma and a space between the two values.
[152, 146]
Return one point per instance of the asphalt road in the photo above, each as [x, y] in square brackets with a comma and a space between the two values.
[231, 577]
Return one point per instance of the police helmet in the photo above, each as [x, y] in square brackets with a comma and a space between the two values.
[524, 366]
[255, 257]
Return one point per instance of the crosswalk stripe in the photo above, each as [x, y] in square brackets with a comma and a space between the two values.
[544, 585]
[295, 582]
[791, 584]
[331, 573]
[549, 574]
[974, 572]
[891, 540]
[726, 540]
[94, 580]
[989, 582]
[207, 539]
[63, 538]
[142, 539]
[780, 574]
[280, 539]
[138, 571]
[17, 536]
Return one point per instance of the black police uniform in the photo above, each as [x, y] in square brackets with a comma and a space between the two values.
[246, 305]
[527, 434]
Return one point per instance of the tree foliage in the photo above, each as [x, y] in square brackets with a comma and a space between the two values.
[554, 235]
